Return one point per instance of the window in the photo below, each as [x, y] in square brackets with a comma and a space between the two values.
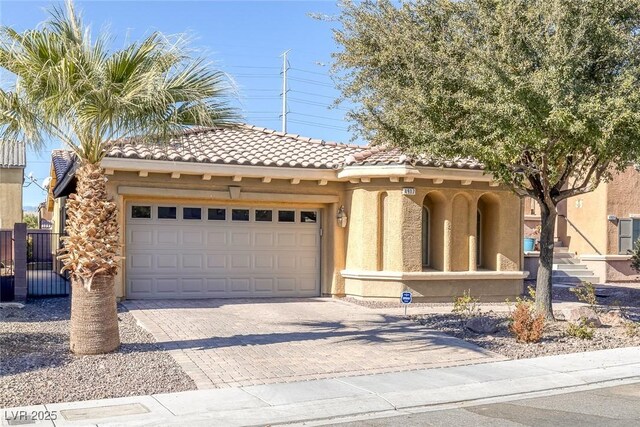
[217, 214]
[166, 212]
[263, 215]
[191, 213]
[286, 216]
[628, 234]
[140, 211]
[308, 216]
[425, 237]
[240, 214]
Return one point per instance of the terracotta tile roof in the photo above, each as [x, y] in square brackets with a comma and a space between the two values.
[256, 146]
[241, 145]
[62, 160]
[12, 155]
[394, 156]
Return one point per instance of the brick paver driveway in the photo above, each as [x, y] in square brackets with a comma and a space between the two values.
[224, 343]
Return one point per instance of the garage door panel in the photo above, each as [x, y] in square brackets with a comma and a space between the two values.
[263, 239]
[240, 261]
[264, 285]
[192, 237]
[217, 286]
[167, 236]
[167, 261]
[192, 261]
[142, 261]
[308, 240]
[286, 240]
[192, 285]
[166, 286]
[216, 238]
[264, 261]
[307, 283]
[286, 262]
[240, 285]
[141, 237]
[217, 261]
[241, 239]
[222, 258]
[141, 286]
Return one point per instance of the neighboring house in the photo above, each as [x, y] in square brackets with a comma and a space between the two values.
[13, 160]
[600, 227]
[251, 212]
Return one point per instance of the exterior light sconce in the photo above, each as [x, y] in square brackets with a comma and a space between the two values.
[612, 218]
[341, 217]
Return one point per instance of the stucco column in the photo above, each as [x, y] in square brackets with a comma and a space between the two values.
[448, 236]
[411, 235]
[473, 236]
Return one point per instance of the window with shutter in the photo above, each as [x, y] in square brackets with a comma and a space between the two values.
[625, 235]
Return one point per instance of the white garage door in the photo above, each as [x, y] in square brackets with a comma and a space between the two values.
[195, 251]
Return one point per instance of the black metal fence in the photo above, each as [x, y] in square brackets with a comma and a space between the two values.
[43, 270]
[7, 272]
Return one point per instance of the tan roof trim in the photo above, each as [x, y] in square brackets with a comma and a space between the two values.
[412, 172]
[213, 169]
[226, 195]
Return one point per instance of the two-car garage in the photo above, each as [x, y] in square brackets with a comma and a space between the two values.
[218, 251]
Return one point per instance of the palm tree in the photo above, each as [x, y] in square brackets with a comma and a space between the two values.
[71, 87]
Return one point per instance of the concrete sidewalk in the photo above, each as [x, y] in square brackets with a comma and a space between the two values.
[332, 398]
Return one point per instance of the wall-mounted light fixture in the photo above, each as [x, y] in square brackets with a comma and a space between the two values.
[341, 217]
[612, 218]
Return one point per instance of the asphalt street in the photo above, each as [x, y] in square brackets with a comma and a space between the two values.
[611, 406]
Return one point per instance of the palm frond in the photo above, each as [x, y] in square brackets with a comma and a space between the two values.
[71, 87]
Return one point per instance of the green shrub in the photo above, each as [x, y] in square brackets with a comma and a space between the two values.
[586, 292]
[632, 329]
[466, 305]
[583, 330]
[635, 256]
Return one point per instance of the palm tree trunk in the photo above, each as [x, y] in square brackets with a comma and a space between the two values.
[91, 255]
[544, 284]
[94, 317]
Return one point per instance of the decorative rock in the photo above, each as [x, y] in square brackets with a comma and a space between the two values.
[482, 325]
[586, 313]
[613, 318]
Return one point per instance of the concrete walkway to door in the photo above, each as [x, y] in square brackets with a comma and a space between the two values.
[230, 343]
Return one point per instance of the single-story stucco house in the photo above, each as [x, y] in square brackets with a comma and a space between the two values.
[251, 212]
[13, 160]
[599, 228]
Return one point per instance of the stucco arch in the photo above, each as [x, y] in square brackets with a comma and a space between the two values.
[435, 204]
[489, 229]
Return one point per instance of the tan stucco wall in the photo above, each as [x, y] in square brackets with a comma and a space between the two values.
[383, 230]
[435, 290]
[587, 215]
[10, 196]
[623, 200]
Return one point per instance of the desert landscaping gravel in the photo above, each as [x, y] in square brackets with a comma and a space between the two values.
[36, 366]
[624, 299]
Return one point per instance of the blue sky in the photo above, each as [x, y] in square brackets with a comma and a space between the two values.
[244, 38]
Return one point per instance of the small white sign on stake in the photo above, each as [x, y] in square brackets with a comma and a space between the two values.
[406, 299]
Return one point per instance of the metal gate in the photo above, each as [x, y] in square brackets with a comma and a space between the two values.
[7, 272]
[43, 269]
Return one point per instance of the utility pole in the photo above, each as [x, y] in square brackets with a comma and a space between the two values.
[285, 67]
